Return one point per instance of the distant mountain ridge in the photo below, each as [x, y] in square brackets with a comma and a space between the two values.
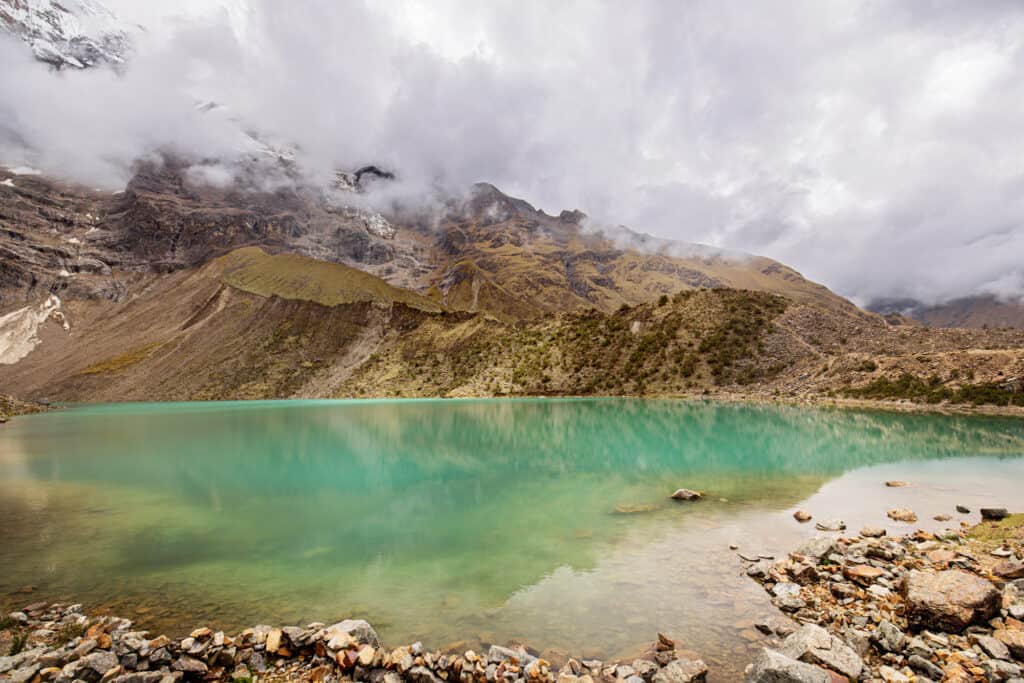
[970, 311]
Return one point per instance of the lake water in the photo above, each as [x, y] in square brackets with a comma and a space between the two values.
[476, 521]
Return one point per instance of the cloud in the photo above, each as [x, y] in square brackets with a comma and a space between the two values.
[876, 147]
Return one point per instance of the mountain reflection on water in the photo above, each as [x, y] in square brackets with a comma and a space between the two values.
[438, 520]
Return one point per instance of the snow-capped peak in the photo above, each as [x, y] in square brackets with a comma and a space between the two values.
[67, 33]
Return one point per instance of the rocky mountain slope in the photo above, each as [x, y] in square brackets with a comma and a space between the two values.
[75, 34]
[173, 290]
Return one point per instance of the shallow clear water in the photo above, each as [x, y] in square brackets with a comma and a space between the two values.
[445, 521]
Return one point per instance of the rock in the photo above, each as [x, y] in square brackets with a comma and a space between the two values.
[872, 532]
[89, 668]
[816, 548]
[499, 654]
[993, 647]
[895, 484]
[994, 514]
[891, 675]
[863, 573]
[19, 617]
[779, 626]
[814, 645]
[190, 665]
[273, 642]
[942, 518]
[963, 509]
[802, 516]
[919, 663]
[358, 629]
[139, 677]
[1013, 640]
[687, 494]
[664, 643]
[775, 667]
[24, 674]
[948, 600]
[901, 515]
[682, 671]
[999, 670]
[420, 674]
[635, 508]
[1010, 569]
[888, 637]
[830, 525]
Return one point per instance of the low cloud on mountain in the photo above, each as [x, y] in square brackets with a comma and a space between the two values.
[874, 146]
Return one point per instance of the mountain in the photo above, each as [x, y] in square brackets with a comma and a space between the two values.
[76, 34]
[178, 290]
[972, 311]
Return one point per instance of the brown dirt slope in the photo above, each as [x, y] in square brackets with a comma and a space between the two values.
[240, 327]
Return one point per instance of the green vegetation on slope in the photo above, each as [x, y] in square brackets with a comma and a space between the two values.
[290, 276]
[693, 341]
[932, 390]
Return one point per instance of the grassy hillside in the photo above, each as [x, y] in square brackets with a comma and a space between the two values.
[291, 276]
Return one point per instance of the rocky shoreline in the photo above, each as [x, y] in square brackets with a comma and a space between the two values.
[921, 607]
[61, 644]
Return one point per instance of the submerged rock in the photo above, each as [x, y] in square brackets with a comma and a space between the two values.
[830, 525]
[802, 516]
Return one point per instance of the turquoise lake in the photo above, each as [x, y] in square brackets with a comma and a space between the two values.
[472, 520]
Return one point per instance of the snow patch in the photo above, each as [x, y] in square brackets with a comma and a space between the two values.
[24, 170]
[7, 183]
[73, 240]
[19, 329]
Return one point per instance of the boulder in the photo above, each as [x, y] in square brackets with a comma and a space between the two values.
[687, 494]
[775, 667]
[872, 532]
[948, 600]
[682, 671]
[358, 629]
[814, 645]
[994, 514]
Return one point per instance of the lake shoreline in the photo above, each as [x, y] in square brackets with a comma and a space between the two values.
[847, 606]
[11, 407]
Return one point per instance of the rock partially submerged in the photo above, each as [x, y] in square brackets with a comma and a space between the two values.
[802, 516]
[994, 514]
[901, 515]
[687, 494]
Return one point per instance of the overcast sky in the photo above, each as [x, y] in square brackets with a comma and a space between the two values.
[877, 147]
